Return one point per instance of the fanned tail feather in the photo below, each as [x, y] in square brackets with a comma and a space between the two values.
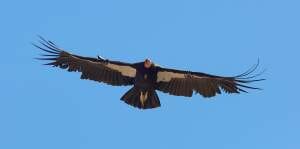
[141, 99]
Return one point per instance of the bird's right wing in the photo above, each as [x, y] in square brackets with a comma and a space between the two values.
[98, 69]
[185, 83]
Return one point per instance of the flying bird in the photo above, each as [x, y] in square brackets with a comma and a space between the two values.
[145, 77]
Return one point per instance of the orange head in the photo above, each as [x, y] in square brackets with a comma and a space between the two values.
[147, 63]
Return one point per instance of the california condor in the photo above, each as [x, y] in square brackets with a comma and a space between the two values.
[145, 77]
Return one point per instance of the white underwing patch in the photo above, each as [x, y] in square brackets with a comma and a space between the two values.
[124, 70]
[165, 76]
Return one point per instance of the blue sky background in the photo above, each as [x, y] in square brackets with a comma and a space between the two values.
[44, 107]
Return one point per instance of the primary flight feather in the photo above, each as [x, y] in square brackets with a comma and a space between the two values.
[145, 77]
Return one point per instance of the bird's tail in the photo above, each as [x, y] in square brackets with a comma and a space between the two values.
[141, 99]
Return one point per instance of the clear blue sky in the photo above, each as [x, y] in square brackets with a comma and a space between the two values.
[48, 108]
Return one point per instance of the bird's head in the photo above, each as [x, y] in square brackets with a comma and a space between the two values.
[147, 63]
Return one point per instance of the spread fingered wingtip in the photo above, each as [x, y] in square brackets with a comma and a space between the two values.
[46, 50]
[52, 50]
[49, 44]
[249, 77]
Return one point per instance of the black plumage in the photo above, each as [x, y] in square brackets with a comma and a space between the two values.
[144, 78]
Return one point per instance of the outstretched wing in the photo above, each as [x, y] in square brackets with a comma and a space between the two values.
[97, 69]
[185, 83]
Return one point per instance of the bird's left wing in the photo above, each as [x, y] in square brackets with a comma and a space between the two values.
[185, 83]
[98, 69]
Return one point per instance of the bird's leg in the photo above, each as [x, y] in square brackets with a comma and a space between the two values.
[143, 97]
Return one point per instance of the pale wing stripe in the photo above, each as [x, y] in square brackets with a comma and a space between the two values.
[166, 76]
[194, 76]
[124, 70]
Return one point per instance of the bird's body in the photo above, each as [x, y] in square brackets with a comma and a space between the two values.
[143, 94]
[145, 77]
